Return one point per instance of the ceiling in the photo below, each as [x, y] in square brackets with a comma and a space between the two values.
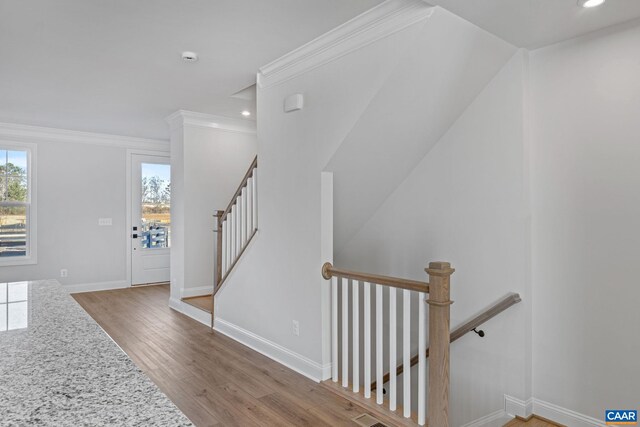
[536, 23]
[114, 66]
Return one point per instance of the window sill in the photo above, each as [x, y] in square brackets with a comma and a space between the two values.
[18, 261]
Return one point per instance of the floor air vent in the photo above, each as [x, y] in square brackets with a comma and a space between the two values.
[367, 420]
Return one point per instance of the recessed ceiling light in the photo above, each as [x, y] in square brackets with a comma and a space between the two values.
[188, 56]
[246, 113]
[590, 3]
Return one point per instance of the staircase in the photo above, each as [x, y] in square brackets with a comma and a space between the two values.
[383, 329]
[237, 225]
[382, 342]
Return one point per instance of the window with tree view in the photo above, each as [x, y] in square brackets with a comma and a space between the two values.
[14, 203]
[156, 206]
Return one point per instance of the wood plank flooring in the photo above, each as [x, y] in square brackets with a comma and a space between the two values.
[213, 379]
[532, 422]
[202, 302]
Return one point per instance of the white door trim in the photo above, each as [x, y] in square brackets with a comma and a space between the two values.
[128, 207]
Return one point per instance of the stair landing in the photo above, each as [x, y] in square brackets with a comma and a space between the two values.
[203, 302]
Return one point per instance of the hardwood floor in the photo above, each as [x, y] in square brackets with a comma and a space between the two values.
[532, 422]
[213, 379]
[202, 302]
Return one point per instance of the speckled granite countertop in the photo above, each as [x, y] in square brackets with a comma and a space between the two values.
[59, 368]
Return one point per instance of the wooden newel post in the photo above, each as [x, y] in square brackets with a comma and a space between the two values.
[218, 274]
[439, 339]
[219, 249]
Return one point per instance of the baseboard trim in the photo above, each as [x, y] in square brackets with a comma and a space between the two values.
[495, 419]
[564, 416]
[191, 311]
[518, 408]
[196, 292]
[552, 412]
[299, 363]
[97, 286]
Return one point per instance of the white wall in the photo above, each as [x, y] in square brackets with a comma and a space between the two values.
[463, 204]
[79, 181]
[278, 280]
[586, 221]
[210, 156]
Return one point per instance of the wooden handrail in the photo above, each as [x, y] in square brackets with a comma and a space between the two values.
[460, 331]
[329, 271]
[243, 184]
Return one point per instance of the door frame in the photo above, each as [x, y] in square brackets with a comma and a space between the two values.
[129, 207]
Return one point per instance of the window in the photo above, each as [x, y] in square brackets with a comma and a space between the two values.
[17, 204]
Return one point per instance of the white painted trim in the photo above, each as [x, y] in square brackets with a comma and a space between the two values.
[516, 407]
[183, 118]
[280, 354]
[196, 292]
[498, 419]
[191, 311]
[564, 416]
[326, 255]
[31, 257]
[98, 286]
[381, 21]
[550, 411]
[38, 133]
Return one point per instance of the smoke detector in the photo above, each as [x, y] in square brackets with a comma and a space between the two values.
[188, 56]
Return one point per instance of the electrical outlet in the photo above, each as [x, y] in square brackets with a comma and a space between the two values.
[296, 328]
[64, 272]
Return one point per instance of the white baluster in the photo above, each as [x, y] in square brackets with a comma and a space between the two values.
[379, 339]
[392, 350]
[356, 337]
[255, 198]
[367, 340]
[406, 353]
[249, 207]
[223, 255]
[245, 235]
[422, 360]
[229, 222]
[345, 332]
[334, 329]
[238, 224]
[232, 230]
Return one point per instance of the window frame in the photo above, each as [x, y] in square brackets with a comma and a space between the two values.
[31, 256]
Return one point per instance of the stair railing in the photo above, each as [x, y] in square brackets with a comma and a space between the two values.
[432, 392]
[237, 225]
[489, 313]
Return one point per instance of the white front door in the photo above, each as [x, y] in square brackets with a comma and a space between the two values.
[150, 219]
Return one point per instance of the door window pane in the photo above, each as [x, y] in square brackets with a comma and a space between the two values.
[13, 231]
[156, 206]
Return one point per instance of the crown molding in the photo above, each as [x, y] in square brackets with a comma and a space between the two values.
[381, 21]
[183, 118]
[28, 133]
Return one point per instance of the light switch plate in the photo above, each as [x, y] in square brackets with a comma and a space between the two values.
[105, 222]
